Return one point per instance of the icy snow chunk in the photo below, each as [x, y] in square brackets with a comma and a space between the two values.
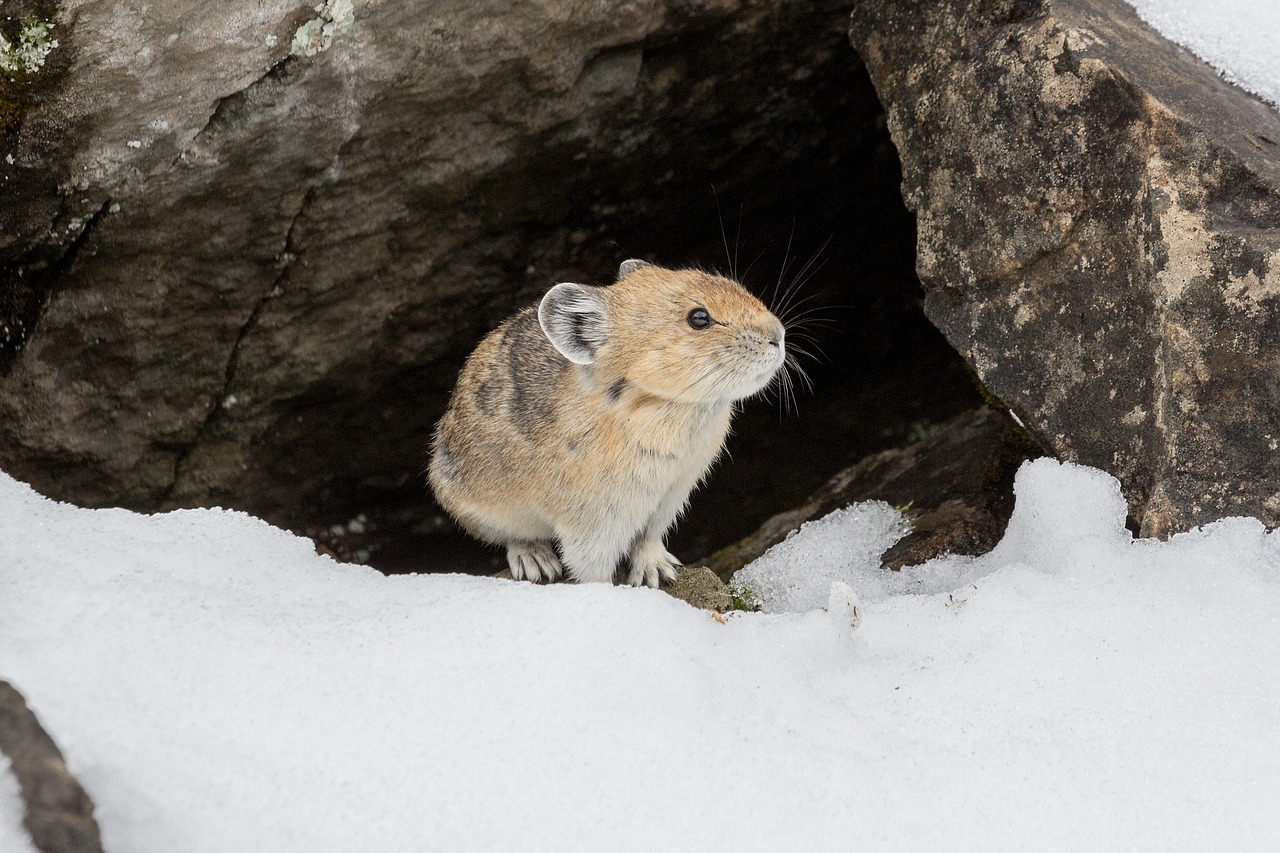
[796, 574]
[13, 837]
[1064, 515]
[1237, 37]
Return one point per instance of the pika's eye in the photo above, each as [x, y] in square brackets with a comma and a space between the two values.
[699, 318]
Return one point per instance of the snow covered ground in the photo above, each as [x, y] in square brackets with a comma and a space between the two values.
[217, 686]
[1240, 38]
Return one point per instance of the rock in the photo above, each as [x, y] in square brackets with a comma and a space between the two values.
[953, 527]
[699, 587]
[59, 814]
[251, 243]
[956, 486]
[1099, 236]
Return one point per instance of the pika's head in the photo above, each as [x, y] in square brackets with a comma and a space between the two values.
[681, 335]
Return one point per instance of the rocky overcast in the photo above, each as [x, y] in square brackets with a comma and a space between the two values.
[246, 247]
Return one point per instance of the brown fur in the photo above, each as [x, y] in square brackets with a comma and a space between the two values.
[600, 457]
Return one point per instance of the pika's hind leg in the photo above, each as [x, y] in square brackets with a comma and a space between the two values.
[533, 561]
[593, 556]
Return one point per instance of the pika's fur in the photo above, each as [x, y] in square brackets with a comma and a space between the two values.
[588, 421]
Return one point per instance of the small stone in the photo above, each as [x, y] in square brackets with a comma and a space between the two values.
[699, 587]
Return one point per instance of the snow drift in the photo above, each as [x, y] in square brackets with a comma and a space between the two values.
[217, 686]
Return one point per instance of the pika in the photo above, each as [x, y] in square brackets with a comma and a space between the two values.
[586, 422]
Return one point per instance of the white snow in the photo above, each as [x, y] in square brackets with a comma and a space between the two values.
[1239, 38]
[219, 687]
[13, 837]
[845, 546]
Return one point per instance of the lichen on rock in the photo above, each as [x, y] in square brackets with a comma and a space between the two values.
[317, 35]
[33, 46]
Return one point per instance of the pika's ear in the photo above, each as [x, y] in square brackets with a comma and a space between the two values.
[574, 318]
[631, 266]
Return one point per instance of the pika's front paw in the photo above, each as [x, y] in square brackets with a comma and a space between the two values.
[533, 561]
[653, 568]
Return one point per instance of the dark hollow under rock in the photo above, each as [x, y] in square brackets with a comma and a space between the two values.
[955, 485]
[1099, 236]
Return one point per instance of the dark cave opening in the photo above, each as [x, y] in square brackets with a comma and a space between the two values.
[747, 140]
[823, 213]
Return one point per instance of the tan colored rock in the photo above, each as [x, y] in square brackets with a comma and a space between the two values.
[1099, 236]
[699, 587]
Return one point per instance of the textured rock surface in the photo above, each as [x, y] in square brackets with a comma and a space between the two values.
[955, 485]
[700, 587]
[59, 813]
[261, 270]
[1099, 236]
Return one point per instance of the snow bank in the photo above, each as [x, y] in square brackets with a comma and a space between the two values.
[1065, 515]
[1237, 37]
[218, 687]
[13, 838]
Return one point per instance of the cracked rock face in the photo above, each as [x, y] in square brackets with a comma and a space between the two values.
[1099, 236]
[251, 243]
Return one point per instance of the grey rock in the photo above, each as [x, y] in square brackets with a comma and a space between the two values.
[59, 814]
[952, 527]
[1099, 237]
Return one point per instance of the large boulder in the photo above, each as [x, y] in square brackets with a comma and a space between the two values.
[1099, 235]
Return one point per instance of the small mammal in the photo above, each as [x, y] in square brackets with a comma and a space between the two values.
[588, 421]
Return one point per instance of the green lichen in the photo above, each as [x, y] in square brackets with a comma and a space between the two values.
[32, 47]
[317, 35]
[743, 598]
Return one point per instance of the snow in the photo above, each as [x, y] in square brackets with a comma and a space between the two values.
[217, 686]
[13, 837]
[845, 546]
[1236, 37]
